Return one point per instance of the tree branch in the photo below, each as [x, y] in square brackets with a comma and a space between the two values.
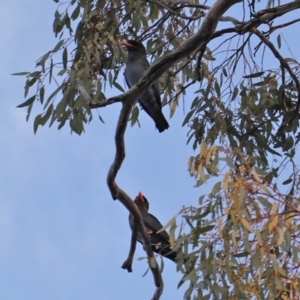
[282, 61]
[127, 265]
[118, 193]
[186, 48]
[129, 99]
[267, 15]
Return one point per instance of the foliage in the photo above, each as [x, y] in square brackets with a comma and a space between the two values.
[242, 240]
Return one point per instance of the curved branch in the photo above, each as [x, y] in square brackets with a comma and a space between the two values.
[127, 265]
[129, 99]
[118, 193]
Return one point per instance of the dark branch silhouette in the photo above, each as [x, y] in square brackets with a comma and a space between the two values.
[127, 265]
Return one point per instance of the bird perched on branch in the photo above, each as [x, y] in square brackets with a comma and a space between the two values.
[159, 241]
[136, 66]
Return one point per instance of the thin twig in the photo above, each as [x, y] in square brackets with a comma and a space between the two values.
[282, 61]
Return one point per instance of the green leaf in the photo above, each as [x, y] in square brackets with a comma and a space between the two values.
[80, 102]
[36, 123]
[188, 116]
[241, 254]
[50, 71]
[52, 95]
[118, 86]
[101, 119]
[75, 13]
[279, 40]
[217, 89]
[29, 108]
[287, 181]
[42, 93]
[289, 59]
[65, 58]
[208, 56]
[45, 118]
[57, 26]
[58, 45]
[147, 268]
[27, 102]
[205, 229]
[216, 187]
[32, 81]
[62, 72]
[134, 115]
[173, 108]
[254, 75]
[35, 74]
[235, 93]
[42, 61]
[20, 73]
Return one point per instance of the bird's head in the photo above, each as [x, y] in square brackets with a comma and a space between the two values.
[141, 201]
[134, 47]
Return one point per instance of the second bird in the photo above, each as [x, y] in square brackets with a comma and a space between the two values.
[159, 241]
[136, 66]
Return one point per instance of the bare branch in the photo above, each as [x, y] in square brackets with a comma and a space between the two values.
[267, 15]
[183, 16]
[127, 265]
[282, 61]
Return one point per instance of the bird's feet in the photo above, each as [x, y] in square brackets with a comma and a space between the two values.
[149, 232]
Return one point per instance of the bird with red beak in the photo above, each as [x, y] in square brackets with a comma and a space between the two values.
[159, 240]
[136, 66]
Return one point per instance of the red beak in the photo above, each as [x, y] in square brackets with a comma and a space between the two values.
[126, 44]
[140, 196]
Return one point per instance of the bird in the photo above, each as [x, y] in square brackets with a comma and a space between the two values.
[136, 66]
[159, 241]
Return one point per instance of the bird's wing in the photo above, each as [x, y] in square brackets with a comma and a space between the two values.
[152, 223]
[154, 85]
[127, 83]
[134, 72]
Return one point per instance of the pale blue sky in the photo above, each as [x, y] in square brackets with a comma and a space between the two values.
[62, 236]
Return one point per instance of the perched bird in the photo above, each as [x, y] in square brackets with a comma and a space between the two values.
[159, 241]
[136, 66]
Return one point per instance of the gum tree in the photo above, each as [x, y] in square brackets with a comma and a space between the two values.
[224, 61]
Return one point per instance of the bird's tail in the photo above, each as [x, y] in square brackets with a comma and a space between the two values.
[167, 252]
[161, 123]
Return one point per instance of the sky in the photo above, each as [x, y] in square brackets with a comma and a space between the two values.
[62, 236]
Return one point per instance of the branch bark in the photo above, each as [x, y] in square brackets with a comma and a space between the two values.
[127, 265]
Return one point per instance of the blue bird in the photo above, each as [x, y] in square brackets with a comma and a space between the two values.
[136, 66]
[159, 241]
